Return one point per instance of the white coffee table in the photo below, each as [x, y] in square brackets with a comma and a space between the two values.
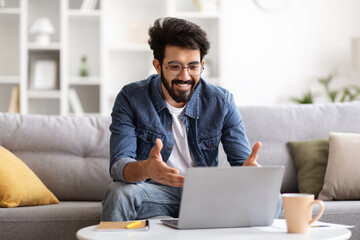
[159, 231]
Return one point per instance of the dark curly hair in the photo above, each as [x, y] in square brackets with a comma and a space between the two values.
[177, 32]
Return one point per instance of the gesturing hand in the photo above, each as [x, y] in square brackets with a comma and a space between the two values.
[158, 171]
[251, 160]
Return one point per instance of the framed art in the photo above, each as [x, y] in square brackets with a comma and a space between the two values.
[44, 75]
[44, 70]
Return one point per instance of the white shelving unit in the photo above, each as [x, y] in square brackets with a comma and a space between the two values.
[128, 55]
[113, 37]
[77, 34]
[84, 38]
[10, 72]
[51, 46]
[9, 80]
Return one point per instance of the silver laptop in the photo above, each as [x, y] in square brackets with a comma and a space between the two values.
[218, 197]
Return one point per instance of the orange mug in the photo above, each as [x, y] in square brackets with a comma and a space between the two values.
[298, 211]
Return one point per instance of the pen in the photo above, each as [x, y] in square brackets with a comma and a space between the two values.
[133, 224]
[320, 226]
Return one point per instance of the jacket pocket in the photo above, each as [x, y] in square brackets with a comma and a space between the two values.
[210, 143]
[210, 148]
[145, 142]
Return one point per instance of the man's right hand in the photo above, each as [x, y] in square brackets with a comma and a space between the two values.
[157, 170]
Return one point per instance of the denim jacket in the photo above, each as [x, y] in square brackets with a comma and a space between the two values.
[140, 116]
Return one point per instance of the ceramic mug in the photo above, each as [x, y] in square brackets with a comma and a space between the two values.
[298, 211]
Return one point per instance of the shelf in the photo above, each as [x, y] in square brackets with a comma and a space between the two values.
[134, 47]
[87, 114]
[198, 15]
[40, 47]
[84, 81]
[9, 11]
[84, 13]
[9, 79]
[44, 94]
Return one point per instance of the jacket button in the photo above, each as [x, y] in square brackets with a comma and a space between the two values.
[148, 139]
[169, 149]
[167, 129]
[211, 146]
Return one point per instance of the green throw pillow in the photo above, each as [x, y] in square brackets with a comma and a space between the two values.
[311, 159]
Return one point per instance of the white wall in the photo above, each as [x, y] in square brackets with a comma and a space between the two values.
[272, 56]
[267, 56]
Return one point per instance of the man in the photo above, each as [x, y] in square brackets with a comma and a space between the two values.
[167, 123]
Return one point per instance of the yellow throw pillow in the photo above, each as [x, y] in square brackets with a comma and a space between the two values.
[19, 186]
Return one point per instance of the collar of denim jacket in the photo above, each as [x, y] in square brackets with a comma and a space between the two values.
[191, 108]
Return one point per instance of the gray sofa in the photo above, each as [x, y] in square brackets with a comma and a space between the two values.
[71, 156]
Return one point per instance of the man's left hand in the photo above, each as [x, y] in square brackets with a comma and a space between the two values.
[251, 160]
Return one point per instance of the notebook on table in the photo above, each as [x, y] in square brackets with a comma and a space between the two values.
[218, 197]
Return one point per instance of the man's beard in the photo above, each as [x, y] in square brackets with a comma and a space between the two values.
[178, 96]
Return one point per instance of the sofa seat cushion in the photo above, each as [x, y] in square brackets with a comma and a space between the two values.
[350, 208]
[64, 211]
[57, 221]
[340, 212]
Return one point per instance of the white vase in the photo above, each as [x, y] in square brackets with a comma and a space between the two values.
[43, 39]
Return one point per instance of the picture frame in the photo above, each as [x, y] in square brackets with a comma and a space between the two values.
[43, 75]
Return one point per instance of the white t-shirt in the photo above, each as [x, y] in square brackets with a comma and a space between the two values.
[180, 157]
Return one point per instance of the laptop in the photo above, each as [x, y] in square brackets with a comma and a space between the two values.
[221, 197]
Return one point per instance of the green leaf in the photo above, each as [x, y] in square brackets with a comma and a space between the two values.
[332, 95]
[307, 98]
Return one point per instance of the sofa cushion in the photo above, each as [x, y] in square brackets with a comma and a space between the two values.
[56, 221]
[69, 154]
[342, 174]
[275, 126]
[19, 186]
[310, 158]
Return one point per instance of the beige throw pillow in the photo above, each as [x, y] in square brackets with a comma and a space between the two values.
[342, 176]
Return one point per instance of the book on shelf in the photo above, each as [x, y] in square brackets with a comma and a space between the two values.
[75, 102]
[88, 5]
[14, 105]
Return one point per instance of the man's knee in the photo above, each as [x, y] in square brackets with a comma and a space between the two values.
[120, 202]
[120, 192]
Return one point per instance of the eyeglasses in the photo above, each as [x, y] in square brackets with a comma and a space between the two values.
[175, 68]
